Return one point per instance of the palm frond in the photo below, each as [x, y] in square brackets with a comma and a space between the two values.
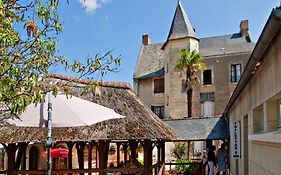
[190, 61]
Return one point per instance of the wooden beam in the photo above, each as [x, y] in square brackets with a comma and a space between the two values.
[125, 170]
[58, 171]
[79, 171]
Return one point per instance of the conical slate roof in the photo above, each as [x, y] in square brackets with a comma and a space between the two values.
[181, 26]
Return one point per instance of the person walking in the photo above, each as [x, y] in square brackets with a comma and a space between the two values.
[204, 161]
[211, 159]
[222, 160]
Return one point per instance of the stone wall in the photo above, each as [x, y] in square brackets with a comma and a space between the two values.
[177, 104]
[174, 99]
[222, 85]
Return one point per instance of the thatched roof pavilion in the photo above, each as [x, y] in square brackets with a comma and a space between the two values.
[139, 125]
[140, 122]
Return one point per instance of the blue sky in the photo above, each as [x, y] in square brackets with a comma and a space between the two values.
[96, 26]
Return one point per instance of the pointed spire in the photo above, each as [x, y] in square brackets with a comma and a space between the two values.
[181, 26]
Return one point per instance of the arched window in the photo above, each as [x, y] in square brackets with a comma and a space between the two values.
[33, 158]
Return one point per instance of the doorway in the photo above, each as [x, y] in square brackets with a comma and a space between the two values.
[245, 145]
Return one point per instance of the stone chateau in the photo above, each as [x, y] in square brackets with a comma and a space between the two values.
[159, 86]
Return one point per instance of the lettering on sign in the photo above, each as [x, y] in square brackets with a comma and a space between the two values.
[235, 139]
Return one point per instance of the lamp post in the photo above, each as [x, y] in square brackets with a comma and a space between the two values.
[49, 137]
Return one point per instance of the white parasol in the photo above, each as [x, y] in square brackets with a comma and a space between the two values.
[66, 112]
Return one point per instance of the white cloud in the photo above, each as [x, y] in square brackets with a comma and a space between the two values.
[92, 5]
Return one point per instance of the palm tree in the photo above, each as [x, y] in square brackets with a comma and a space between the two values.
[191, 63]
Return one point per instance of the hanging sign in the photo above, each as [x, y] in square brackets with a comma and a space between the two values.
[235, 139]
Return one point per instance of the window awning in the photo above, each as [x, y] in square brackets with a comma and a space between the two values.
[157, 73]
[215, 128]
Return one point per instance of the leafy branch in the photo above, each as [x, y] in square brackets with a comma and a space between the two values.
[28, 50]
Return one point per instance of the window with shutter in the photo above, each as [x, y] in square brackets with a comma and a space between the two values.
[208, 109]
[159, 85]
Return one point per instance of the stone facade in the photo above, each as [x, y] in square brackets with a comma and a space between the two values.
[219, 53]
[222, 86]
[176, 99]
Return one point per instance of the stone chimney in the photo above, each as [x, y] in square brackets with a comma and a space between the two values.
[244, 28]
[145, 39]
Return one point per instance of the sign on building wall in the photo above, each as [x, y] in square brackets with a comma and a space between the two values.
[235, 139]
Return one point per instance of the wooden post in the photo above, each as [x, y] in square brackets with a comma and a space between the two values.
[24, 159]
[209, 144]
[133, 147]
[11, 151]
[97, 155]
[158, 152]
[158, 157]
[70, 146]
[20, 155]
[80, 153]
[137, 150]
[103, 149]
[148, 157]
[90, 156]
[118, 154]
[162, 146]
[125, 147]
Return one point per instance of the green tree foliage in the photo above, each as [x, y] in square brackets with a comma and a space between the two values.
[190, 63]
[28, 49]
[179, 150]
[184, 166]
